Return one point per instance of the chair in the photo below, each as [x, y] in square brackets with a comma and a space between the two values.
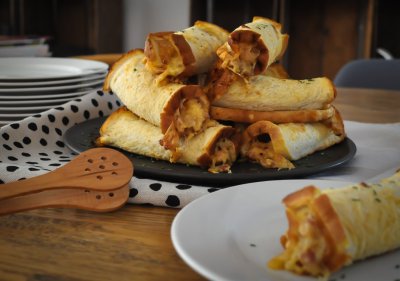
[370, 73]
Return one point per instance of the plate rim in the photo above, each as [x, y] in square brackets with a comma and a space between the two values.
[88, 67]
[48, 96]
[14, 85]
[35, 91]
[11, 109]
[21, 102]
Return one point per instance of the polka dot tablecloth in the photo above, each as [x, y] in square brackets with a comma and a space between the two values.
[35, 146]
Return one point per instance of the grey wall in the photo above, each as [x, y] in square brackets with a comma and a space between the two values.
[144, 16]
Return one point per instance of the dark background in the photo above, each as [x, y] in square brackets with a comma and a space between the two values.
[324, 34]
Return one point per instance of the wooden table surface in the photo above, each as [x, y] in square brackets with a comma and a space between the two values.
[368, 105]
[134, 242]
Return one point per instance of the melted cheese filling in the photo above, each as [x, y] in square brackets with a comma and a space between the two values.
[223, 157]
[264, 154]
[165, 60]
[305, 246]
[243, 60]
[189, 118]
[246, 61]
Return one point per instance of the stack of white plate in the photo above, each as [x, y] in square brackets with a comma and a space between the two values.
[32, 85]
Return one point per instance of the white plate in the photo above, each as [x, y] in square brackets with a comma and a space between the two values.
[28, 103]
[14, 116]
[2, 122]
[231, 234]
[11, 109]
[38, 90]
[46, 96]
[19, 84]
[47, 68]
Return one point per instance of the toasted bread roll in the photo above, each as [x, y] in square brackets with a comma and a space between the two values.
[276, 70]
[275, 146]
[267, 93]
[252, 47]
[184, 53]
[252, 116]
[211, 149]
[179, 110]
[332, 228]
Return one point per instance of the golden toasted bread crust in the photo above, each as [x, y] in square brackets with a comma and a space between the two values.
[333, 230]
[251, 116]
[205, 159]
[276, 70]
[278, 26]
[301, 197]
[138, 90]
[110, 120]
[336, 123]
[253, 46]
[268, 93]
[211, 28]
[266, 127]
[176, 53]
[125, 130]
[186, 53]
[117, 65]
[329, 228]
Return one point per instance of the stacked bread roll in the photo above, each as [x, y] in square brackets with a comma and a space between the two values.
[332, 228]
[287, 119]
[164, 116]
[172, 113]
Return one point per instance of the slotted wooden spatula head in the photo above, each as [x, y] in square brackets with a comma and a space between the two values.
[97, 168]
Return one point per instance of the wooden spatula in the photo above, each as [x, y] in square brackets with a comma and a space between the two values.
[102, 169]
[97, 201]
[96, 180]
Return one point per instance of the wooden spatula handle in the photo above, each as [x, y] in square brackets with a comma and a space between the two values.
[99, 201]
[35, 184]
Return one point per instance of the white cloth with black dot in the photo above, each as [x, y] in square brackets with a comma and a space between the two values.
[35, 146]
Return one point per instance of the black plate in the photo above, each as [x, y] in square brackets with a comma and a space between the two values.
[82, 136]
